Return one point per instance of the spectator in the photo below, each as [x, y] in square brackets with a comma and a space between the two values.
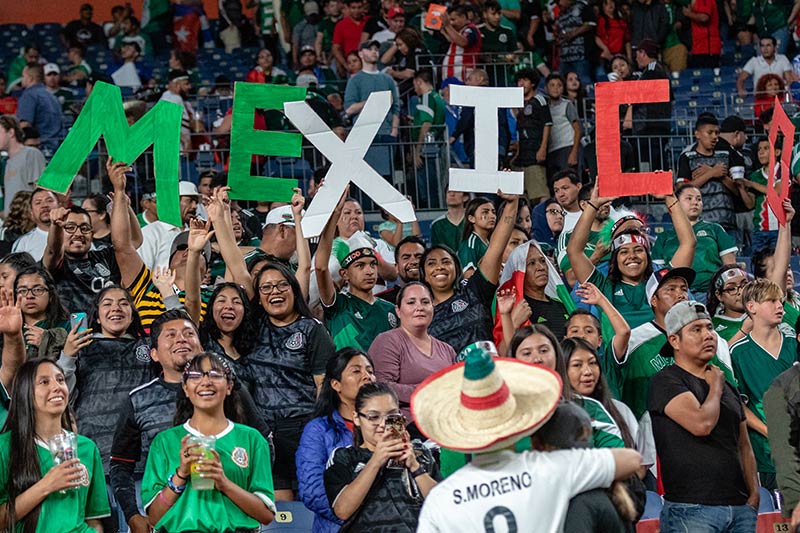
[597, 246]
[758, 358]
[358, 89]
[547, 223]
[30, 54]
[449, 228]
[38, 414]
[113, 27]
[621, 69]
[24, 164]
[347, 34]
[324, 42]
[534, 125]
[768, 62]
[565, 133]
[465, 127]
[714, 247]
[676, 44]
[649, 21]
[575, 92]
[772, 18]
[230, 22]
[177, 92]
[45, 318]
[708, 168]
[83, 31]
[396, 19]
[265, 70]
[405, 356]
[17, 222]
[707, 464]
[576, 28]
[37, 107]
[228, 330]
[78, 70]
[354, 65]
[585, 325]
[768, 88]
[764, 221]
[461, 309]
[149, 210]
[565, 473]
[347, 371]
[392, 499]
[42, 202]
[157, 237]
[567, 187]
[651, 122]
[613, 33]
[305, 33]
[407, 256]
[285, 382]
[429, 133]
[480, 219]
[725, 300]
[267, 25]
[52, 82]
[465, 43]
[8, 103]
[132, 33]
[131, 73]
[405, 56]
[10, 265]
[242, 495]
[706, 40]
[181, 60]
[498, 41]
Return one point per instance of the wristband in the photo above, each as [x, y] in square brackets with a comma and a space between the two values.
[591, 204]
[182, 478]
[669, 207]
[164, 500]
[174, 488]
[418, 472]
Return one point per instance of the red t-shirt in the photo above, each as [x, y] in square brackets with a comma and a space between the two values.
[347, 34]
[705, 35]
[614, 33]
[8, 105]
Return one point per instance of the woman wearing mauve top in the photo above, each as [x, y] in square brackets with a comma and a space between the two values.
[405, 356]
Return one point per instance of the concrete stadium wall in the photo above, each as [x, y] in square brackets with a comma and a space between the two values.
[63, 11]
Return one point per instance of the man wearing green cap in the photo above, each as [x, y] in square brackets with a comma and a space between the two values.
[354, 317]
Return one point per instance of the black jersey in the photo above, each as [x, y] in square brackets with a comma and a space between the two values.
[79, 280]
[465, 317]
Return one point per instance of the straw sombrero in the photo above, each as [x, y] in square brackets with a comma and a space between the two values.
[485, 404]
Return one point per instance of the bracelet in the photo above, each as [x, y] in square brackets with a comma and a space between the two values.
[174, 488]
[164, 500]
[591, 204]
[182, 478]
[418, 472]
[669, 207]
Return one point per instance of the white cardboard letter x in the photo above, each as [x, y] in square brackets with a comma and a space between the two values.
[347, 162]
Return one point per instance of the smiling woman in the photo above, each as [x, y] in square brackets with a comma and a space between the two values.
[45, 318]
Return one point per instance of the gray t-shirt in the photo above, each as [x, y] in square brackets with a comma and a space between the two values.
[22, 171]
[563, 113]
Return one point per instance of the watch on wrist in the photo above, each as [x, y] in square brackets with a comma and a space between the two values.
[419, 471]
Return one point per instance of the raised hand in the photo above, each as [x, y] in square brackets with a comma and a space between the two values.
[164, 279]
[520, 314]
[58, 216]
[199, 235]
[788, 209]
[116, 174]
[596, 199]
[505, 300]
[297, 203]
[589, 293]
[10, 314]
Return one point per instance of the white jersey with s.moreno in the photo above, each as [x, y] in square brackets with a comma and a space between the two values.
[509, 492]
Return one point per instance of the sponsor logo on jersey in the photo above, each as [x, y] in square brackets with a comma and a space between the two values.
[458, 306]
[240, 457]
[295, 342]
[619, 293]
[143, 353]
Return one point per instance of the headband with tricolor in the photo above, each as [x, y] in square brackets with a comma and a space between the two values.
[728, 275]
[629, 238]
[357, 254]
[622, 220]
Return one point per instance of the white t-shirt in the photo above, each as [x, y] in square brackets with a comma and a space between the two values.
[34, 242]
[758, 66]
[157, 240]
[570, 219]
[529, 489]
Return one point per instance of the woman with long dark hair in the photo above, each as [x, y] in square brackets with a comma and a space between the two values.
[404, 57]
[332, 428]
[241, 497]
[265, 70]
[286, 366]
[461, 313]
[379, 497]
[38, 495]
[45, 319]
[228, 329]
[479, 222]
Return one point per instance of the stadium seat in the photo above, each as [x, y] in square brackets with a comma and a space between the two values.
[292, 517]
[766, 503]
[653, 505]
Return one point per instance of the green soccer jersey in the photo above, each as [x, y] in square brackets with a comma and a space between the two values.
[561, 249]
[498, 40]
[430, 109]
[605, 432]
[643, 361]
[755, 368]
[445, 232]
[471, 251]
[726, 327]
[244, 455]
[355, 323]
[712, 244]
[630, 300]
[65, 512]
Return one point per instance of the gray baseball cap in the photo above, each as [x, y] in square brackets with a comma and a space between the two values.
[682, 314]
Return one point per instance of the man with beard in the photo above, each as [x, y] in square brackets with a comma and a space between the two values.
[177, 92]
[597, 250]
[714, 247]
[407, 256]
[157, 236]
[150, 409]
[278, 240]
[35, 241]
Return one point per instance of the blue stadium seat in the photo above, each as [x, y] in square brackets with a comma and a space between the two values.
[45, 29]
[766, 503]
[653, 505]
[292, 517]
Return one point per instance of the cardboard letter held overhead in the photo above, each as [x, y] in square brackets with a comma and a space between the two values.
[611, 180]
[782, 124]
[103, 115]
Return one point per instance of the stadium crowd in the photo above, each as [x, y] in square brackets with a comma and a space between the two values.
[550, 361]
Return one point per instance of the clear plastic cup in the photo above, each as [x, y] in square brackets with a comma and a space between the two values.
[205, 444]
[63, 447]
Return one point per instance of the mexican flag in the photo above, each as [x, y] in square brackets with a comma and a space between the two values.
[513, 276]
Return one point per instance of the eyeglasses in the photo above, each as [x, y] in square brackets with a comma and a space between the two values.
[267, 288]
[734, 290]
[36, 291]
[95, 210]
[376, 418]
[196, 375]
[71, 227]
[555, 212]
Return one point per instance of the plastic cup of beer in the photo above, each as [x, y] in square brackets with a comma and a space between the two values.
[737, 173]
[63, 447]
[205, 445]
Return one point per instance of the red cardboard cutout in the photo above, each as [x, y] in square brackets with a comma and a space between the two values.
[611, 180]
[782, 124]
